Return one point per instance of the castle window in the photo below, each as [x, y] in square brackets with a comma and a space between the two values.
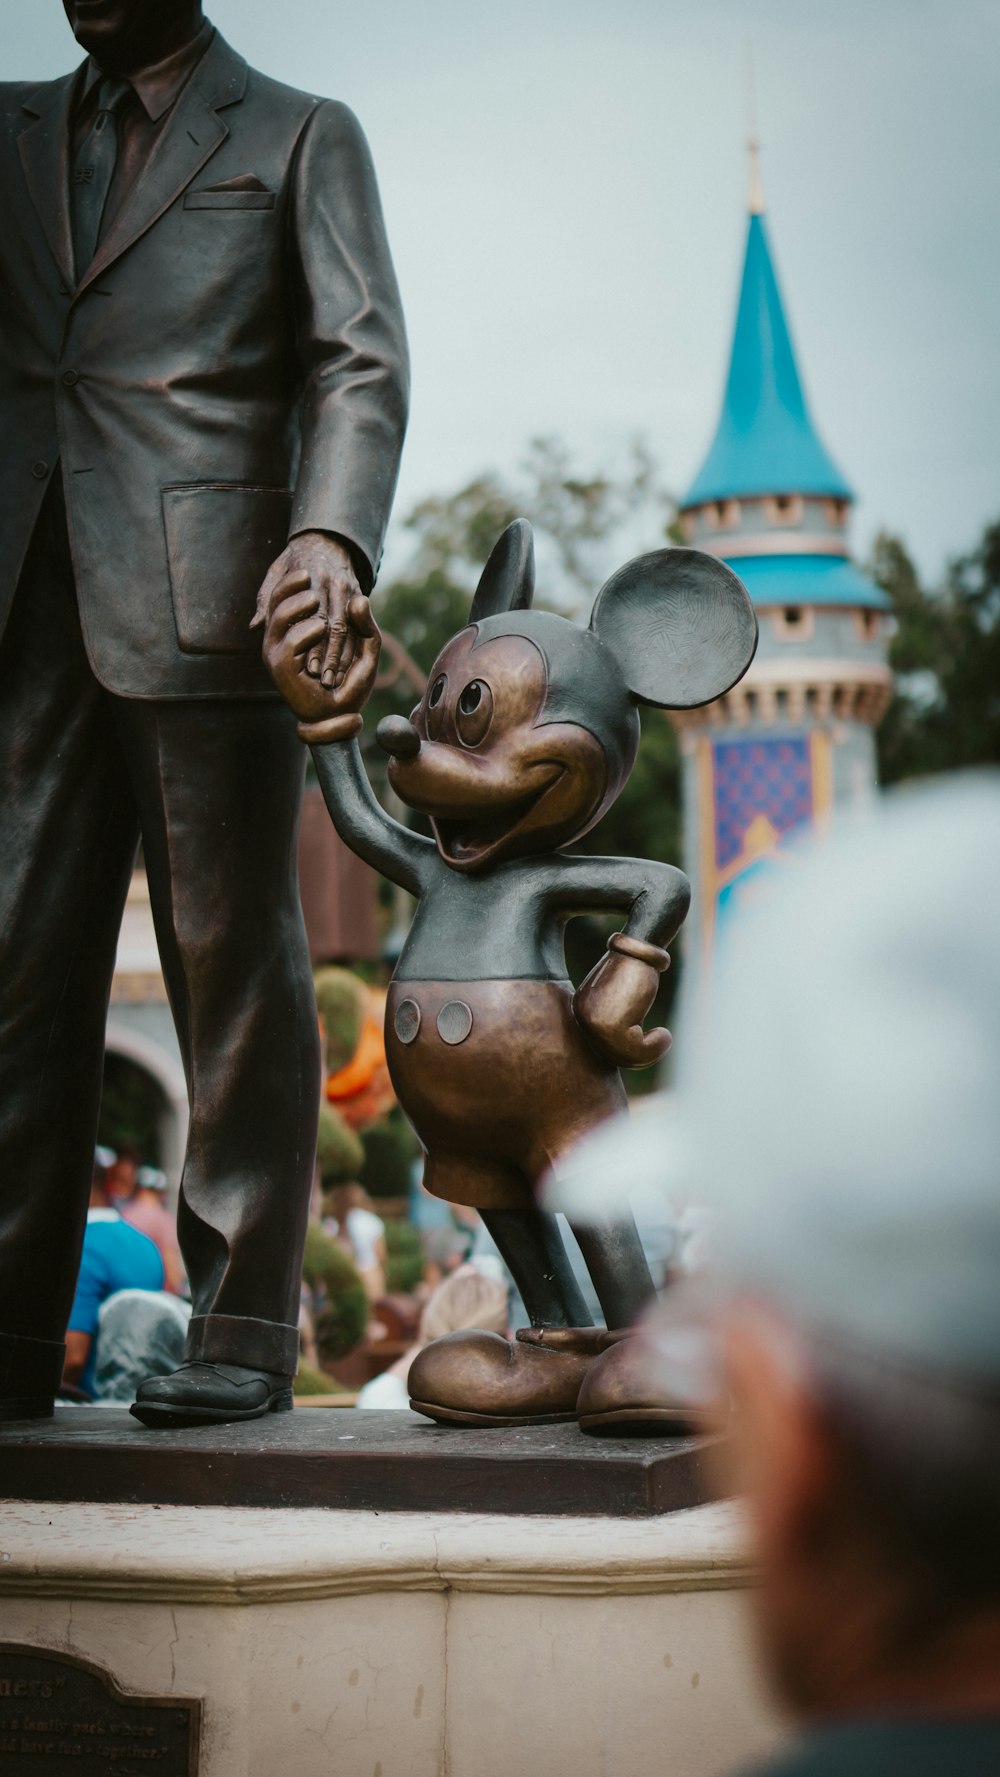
[783, 509]
[836, 512]
[723, 515]
[793, 623]
[867, 625]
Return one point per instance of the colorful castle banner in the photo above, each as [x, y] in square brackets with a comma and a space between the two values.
[755, 792]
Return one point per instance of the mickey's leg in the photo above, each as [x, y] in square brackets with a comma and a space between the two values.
[532, 1249]
[614, 1257]
[528, 1238]
[478, 1378]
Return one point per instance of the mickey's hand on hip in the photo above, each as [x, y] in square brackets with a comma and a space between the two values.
[615, 998]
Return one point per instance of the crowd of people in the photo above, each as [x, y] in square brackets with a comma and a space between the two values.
[132, 1306]
[131, 1279]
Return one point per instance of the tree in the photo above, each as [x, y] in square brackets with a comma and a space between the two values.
[945, 712]
[585, 524]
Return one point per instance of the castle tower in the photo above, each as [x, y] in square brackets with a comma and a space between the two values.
[795, 738]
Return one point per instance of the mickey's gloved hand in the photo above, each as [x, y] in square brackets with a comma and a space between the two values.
[296, 622]
[615, 998]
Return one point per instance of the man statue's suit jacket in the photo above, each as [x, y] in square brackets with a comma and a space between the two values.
[230, 369]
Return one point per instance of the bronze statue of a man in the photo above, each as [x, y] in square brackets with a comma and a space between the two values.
[203, 386]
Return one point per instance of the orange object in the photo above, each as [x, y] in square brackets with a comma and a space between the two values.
[348, 1081]
[362, 1091]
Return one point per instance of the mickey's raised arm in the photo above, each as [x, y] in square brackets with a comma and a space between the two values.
[330, 721]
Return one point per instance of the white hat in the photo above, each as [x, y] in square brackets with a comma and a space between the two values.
[838, 1099]
[150, 1178]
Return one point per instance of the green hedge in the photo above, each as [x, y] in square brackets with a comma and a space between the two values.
[340, 997]
[332, 1275]
[405, 1266]
[390, 1148]
[339, 1153]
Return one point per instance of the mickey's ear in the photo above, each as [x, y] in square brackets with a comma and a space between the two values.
[508, 579]
[680, 624]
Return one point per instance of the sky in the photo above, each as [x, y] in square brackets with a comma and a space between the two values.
[564, 185]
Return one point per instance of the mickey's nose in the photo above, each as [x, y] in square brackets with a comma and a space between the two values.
[397, 736]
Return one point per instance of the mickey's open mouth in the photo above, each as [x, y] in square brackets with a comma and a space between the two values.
[466, 841]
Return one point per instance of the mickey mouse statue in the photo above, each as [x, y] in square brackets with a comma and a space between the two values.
[525, 735]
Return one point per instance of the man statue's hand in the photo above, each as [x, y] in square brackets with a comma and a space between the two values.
[321, 561]
[295, 626]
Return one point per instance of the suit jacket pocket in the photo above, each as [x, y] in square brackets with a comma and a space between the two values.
[229, 200]
[221, 539]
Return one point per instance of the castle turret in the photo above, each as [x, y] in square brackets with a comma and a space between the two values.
[795, 738]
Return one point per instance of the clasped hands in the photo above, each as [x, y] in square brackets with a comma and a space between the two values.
[321, 642]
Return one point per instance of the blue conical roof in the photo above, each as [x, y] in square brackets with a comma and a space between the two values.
[765, 442]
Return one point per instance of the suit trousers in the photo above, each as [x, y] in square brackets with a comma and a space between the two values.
[213, 788]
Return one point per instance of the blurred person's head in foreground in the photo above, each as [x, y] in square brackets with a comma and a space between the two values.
[840, 1107]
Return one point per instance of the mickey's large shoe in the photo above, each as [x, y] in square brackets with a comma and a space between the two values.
[473, 1378]
[630, 1390]
[211, 1394]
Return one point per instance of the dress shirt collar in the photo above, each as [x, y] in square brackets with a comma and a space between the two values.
[157, 86]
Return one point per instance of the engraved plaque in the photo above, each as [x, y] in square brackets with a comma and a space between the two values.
[62, 1717]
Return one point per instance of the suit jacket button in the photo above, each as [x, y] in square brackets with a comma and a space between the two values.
[39, 471]
[64, 289]
[71, 378]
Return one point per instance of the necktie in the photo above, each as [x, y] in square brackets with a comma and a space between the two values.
[93, 169]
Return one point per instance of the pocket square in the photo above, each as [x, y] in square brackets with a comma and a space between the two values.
[230, 197]
[242, 182]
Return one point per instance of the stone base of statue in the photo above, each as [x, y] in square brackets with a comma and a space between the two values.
[362, 1594]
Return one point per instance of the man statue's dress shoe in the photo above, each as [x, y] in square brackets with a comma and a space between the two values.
[211, 1394]
[25, 1406]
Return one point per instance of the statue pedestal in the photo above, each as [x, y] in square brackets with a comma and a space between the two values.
[391, 1642]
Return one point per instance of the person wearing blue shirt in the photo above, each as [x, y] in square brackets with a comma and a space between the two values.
[115, 1257]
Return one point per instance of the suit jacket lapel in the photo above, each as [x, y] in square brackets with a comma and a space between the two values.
[44, 149]
[193, 133]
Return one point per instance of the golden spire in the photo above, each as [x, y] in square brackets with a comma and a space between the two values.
[755, 195]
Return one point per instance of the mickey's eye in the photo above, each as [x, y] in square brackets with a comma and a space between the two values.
[437, 691]
[474, 713]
